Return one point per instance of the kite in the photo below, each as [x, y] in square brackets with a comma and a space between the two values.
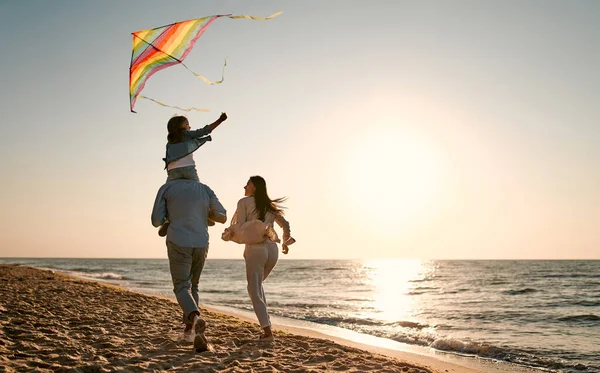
[161, 47]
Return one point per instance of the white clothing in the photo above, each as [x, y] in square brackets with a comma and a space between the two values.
[260, 258]
[188, 160]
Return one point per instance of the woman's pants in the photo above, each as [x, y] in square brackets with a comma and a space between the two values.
[260, 260]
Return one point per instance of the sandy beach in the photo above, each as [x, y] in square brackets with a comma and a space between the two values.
[53, 322]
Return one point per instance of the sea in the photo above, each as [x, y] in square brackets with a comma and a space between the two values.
[532, 314]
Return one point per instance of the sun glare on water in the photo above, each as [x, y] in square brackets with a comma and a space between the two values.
[392, 280]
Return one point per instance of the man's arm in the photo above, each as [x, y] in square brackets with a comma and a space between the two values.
[216, 210]
[159, 210]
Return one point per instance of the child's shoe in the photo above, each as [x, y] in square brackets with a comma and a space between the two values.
[210, 222]
[162, 231]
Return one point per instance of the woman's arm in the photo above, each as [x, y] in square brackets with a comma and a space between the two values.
[239, 217]
[240, 212]
[280, 220]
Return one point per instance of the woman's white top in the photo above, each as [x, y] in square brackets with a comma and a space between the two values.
[245, 226]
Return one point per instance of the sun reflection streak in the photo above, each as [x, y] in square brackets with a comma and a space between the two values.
[392, 281]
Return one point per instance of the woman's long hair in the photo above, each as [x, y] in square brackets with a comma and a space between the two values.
[265, 204]
[175, 132]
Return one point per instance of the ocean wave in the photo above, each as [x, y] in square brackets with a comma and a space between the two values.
[437, 341]
[587, 303]
[295, 269]
[581, 318]
[359, 300]
[306, 306]
[415, 339]
[485, 350]
[569, 275]
[217, 291]
[426, 288]
[339, 321]
[564, 303]
[456, 291]
[337, 306]
[355, 321]
[148, 283]
[426, 279]
[409, 324]
[107, 276]
[520, 291]
[468, 347]
[422, 290]
[82, 269]
[535, 361]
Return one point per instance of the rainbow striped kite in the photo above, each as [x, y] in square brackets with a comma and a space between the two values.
[161, 47]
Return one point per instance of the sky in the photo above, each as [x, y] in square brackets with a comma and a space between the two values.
[407, 129]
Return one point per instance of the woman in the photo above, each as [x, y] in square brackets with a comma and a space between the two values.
[261, 258]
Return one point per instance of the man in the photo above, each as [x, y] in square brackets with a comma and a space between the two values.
[188, 203]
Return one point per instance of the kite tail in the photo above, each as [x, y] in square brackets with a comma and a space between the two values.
[187, 110]
[208, 81]
[256, 18]
[147, 58]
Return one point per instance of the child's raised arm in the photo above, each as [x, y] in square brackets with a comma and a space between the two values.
[216, 123]
[206, 130]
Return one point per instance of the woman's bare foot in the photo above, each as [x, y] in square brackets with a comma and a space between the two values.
[267, 336]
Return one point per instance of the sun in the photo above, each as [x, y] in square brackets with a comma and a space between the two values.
[392, 178]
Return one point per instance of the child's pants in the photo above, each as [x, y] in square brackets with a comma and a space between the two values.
[187, 172]
[260, 260]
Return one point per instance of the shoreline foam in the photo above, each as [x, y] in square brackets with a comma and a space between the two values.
[437, 360]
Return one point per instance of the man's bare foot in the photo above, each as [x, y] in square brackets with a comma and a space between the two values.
[200, 341]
